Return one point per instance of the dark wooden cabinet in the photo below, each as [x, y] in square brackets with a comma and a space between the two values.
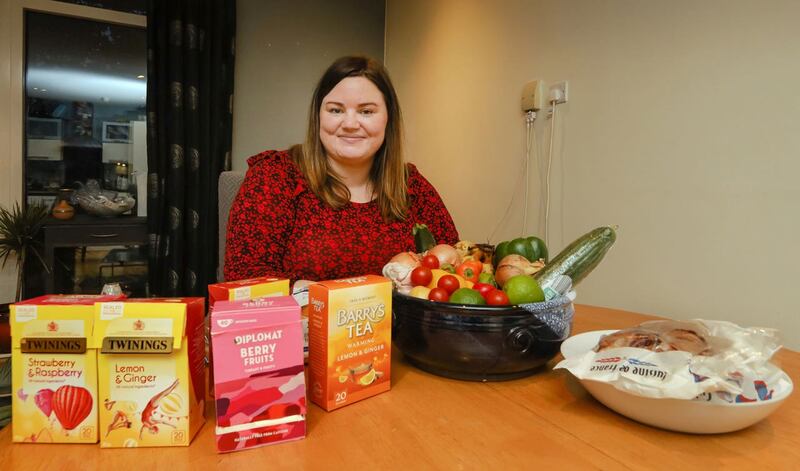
[85, 231]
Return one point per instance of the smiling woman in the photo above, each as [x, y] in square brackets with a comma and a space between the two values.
[342, 203]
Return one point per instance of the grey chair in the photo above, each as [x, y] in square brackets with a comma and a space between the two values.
[229, 183]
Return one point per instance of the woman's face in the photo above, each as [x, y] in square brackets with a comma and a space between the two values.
[352, 121]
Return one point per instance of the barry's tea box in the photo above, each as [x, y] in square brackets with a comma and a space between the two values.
[54, 369]
[260, 391]
[350, 335]
[151, 371]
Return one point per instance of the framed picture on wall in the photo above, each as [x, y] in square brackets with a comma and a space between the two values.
[116, 132]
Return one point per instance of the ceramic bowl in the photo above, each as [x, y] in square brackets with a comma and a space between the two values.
[479, 343]
[680, 415]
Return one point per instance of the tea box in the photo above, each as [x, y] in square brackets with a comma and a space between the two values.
[54, 369]
[260, 391]
[151, 371]
[245, 290]
[350, 336]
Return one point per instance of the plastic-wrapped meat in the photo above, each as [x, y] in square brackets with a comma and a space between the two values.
[661, 336]
[637, 338]
[686, 340]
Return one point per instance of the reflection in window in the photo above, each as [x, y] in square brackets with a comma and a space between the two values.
[85, 96]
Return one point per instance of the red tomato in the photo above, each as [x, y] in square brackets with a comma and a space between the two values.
[449, 283]
[430, 261]
[497, 298]
[421, 276]
[483, 288]
[439, 295]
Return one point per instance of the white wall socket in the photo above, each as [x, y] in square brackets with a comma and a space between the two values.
[532, 96]
[558, 93]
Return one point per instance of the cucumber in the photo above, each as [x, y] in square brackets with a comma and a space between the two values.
[423, 239]
[580, 257]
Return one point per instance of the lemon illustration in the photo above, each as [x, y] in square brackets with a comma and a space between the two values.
[172, 405]
[368, 378]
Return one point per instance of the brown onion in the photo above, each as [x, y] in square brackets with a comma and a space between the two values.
[446, 254]
[505, 273]
[512, 265]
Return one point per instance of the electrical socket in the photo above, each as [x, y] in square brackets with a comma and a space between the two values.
[532, 96]
[558, 92]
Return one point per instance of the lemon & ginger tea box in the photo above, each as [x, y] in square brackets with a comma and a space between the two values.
[350, 339]
[151, 371]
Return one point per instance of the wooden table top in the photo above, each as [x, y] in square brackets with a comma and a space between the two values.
[429, 422]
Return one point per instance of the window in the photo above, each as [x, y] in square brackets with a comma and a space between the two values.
[85, 91]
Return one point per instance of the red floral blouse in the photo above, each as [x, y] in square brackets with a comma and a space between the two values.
[278, 227]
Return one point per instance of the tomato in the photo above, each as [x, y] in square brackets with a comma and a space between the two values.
[497, 298]
[421, 276]
[483, 288]
[470, 270]
[440, 295]
[449, 283]
[430, 261]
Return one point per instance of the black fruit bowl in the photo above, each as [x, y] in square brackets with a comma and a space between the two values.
[479, 343]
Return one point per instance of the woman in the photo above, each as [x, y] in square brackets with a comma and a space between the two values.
[342, 203]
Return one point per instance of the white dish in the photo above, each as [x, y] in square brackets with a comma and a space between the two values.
[676, 414]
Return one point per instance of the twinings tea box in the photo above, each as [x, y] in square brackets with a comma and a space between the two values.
[151, 371]
[245, 290]
[350, 335]
[260, 388]
[54, 369]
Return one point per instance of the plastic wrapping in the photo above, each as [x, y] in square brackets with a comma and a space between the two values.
[705, 360]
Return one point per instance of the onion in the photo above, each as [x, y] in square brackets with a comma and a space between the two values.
[399, 270]
[406, 258]
[513, 265]
[446, 254]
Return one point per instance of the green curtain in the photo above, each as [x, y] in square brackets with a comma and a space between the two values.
[190, 59]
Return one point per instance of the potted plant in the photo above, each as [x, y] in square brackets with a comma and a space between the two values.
[18, 230]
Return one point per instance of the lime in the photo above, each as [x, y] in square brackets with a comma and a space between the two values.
[522, 289]
[466, 296]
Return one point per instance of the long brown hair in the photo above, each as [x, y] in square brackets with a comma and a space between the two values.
[388, 174]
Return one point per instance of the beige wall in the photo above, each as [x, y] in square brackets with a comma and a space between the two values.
[10, 142]
[682, 128]
[282, 48]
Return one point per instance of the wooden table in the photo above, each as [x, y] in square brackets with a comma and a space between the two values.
[428, 422]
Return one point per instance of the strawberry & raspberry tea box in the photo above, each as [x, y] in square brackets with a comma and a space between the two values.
[350, 339]
[260, 391]
[54, 369]
[151, 371]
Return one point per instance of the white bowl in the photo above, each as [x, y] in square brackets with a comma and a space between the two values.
[679, 415]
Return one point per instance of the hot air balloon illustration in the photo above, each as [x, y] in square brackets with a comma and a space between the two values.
[71, 405]
[44, 401]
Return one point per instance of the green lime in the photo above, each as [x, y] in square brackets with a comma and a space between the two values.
[522, 289]
[466, 296]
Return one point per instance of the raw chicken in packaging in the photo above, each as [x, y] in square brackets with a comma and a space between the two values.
[707, 360]
[260, 391]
